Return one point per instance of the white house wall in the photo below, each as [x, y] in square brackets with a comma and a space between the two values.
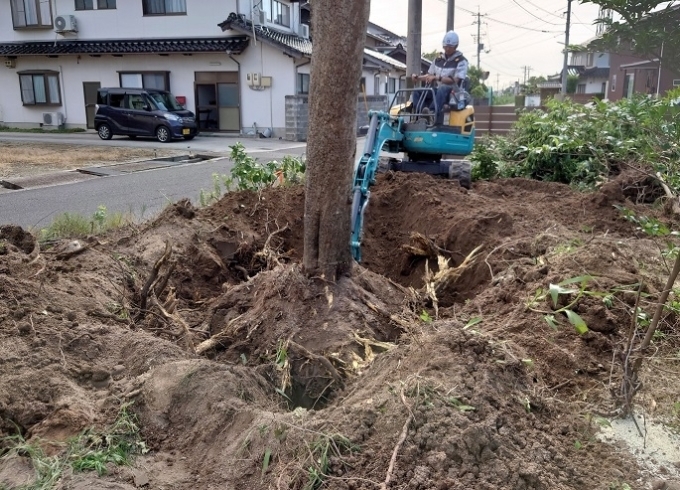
[264, 108]
[125, 22]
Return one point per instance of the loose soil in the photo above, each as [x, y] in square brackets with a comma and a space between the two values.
[25, 159]
[246, 374]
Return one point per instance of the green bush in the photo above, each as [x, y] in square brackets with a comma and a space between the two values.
[582, 144]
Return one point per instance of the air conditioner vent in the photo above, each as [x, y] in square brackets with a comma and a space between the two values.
[65, 23]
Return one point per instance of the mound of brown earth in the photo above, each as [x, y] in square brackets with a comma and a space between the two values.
[247, 374]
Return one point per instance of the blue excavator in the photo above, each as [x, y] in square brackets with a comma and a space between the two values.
[408, 128]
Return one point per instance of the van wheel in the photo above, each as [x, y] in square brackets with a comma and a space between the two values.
[162, 134]
[104, 132]
[132, 136]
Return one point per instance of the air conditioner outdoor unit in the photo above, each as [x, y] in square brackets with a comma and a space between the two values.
[304, 31]
[260, 17]
[55, 119]
[65, 23]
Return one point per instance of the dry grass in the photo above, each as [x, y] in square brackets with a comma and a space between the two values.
[24, 159]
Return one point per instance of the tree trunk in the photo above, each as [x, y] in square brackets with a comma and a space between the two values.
[339, 33]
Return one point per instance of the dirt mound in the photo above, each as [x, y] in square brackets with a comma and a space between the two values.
[243, 370]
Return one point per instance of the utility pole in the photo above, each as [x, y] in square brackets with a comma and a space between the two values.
[527, 71]
[566, 50]
[450, 15]
[414, 40]
[498, 82]
[480, 46]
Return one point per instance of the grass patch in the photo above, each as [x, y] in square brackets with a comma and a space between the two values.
[7, 129]
[69, 225]
[90, 451]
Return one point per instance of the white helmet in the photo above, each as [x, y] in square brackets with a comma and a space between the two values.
[450, 39]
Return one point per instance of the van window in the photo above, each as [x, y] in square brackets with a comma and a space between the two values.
[135, 101]
[101, 97]
[165, 101]
[116, 100]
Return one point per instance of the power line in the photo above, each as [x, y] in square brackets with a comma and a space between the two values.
[544, 10]
[521, 27]
[532, 14]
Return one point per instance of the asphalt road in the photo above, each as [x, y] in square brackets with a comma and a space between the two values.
[141, 194]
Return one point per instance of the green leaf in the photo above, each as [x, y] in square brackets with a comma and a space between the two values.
[265, 462]
[472, 322]
[577, 322]
[460, 405]
[577, 280]
[550, 320]
[555, 290]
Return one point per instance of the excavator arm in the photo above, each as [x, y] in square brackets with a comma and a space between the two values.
[382, 129]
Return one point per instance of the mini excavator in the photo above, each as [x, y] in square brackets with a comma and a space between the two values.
[409, 128]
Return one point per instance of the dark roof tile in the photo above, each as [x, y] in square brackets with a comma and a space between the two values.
[290, 43]
[235, 44]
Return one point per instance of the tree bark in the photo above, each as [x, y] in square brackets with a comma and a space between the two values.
[339, 33]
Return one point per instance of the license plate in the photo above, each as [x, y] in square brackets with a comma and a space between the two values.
[186, 131]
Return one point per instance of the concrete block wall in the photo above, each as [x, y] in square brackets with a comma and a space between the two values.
[297, 114]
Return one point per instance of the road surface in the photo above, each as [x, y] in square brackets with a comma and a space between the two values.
[141, 194]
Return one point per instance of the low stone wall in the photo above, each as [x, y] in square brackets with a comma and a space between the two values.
[297, 114]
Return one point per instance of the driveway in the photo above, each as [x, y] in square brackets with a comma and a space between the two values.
[217, 144]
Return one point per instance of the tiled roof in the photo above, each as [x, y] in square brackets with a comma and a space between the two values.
[383, 58]
[289, 43]
[549, 84]
[595, 72]
[235, 44]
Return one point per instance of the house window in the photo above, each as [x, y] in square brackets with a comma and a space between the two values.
[164, 7]
[362, 84]
[31, 13]
[302, 83]
[157, 80]
[676, 82]
[604, 88]
[613, 83]
[391, 85]
[40, 88]
[101, 4]
[581, 88]
[590, 59]
[277, 12]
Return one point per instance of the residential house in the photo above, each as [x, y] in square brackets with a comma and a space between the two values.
[232, 62]
[592, 69]
[631, 73]
[635, 75]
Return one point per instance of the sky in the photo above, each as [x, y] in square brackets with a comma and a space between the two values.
[515, 33]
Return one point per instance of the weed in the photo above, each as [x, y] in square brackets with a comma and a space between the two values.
[425, 316]
[321, 452]
[70, 225]
[48, 469]
[90, 451]
[577, 144]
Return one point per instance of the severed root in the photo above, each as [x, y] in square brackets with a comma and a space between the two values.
[400, 442]
[217, 339]
[322, 359]
[144, 294]
[170, 318]
[268, 255]
[421, 246]
[435, 282]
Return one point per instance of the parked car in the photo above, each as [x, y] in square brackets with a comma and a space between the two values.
[142, 112]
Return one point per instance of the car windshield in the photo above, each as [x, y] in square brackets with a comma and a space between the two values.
[165, 101]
